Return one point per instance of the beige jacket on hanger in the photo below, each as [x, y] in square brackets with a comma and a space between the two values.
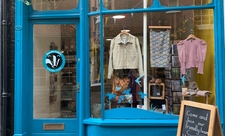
[125, 53]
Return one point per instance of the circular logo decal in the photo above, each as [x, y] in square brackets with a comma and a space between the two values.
[53, 61]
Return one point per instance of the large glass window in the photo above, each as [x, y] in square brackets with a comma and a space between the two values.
[170, 77]
[43, 5]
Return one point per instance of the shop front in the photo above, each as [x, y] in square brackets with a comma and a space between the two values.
[109, 67]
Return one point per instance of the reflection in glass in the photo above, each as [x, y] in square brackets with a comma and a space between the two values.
[124, 4]
[95, 67]
[54, 94]
[93, 5]
[118, 4]
[42, 5]
[136, 4]
[172, 3]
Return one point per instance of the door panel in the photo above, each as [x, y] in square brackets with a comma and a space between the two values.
[55, 99]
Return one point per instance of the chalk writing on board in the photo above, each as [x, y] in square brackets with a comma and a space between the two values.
[196, 121]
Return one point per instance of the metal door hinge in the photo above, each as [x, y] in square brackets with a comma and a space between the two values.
[78, 87]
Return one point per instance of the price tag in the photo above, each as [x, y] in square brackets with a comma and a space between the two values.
[163, 107]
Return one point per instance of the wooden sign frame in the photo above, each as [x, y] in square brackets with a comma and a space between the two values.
[214, 127]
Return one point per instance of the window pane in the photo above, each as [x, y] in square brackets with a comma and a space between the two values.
[54, 93]
[95, 67]
[42, 5]
[171, 3]
[164, 82]
[135, 4]
[93, 5]
[118, 4]
[124, 4]
[123, 52]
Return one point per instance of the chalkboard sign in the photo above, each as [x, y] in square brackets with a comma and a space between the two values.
[198, 119]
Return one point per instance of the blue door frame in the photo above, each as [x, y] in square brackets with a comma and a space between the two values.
[71, 124]
[25, 125]
[23, 81]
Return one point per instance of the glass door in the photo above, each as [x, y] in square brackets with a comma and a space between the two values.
[55, 88]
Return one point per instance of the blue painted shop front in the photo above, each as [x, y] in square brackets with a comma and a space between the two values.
[65, 68]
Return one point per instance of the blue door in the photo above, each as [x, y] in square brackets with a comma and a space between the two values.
[54, 106]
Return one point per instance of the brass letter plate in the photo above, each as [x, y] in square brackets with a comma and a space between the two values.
[53, 126]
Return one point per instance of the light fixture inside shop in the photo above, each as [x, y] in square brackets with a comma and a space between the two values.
[119, 16]
[173, 11]
[108, 39]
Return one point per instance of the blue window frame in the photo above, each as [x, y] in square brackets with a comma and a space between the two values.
[102, 13]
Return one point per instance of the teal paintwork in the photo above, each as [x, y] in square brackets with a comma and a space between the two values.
[115, 122]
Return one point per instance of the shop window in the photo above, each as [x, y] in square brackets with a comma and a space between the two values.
[43, 5]
[168, 80]
[54, 93]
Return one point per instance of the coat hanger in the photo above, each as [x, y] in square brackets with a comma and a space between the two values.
[159, 26]
[191, 36]
[124, 31]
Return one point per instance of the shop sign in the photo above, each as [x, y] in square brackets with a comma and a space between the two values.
[198, 119]
[53, 61]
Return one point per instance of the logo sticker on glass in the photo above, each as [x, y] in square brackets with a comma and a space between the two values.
[54, 61]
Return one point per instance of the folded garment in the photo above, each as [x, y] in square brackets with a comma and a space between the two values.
[203, 93]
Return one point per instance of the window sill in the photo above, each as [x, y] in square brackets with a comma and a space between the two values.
[131, 122]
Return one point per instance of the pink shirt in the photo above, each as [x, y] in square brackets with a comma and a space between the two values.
[192, 53]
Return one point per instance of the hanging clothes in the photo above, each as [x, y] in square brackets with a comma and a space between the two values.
[135, 87]
[192, 53]
[159, 48]
[125, 53]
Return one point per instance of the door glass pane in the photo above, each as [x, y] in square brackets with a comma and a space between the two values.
[42, 5]
[54, 93]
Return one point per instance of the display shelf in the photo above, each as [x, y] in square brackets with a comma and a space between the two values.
[173, 82]
[68, 84]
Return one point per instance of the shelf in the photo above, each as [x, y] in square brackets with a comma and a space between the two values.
[68, 86]
[73, 83]
[68, 50]
[68, 70]
[67, 99]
